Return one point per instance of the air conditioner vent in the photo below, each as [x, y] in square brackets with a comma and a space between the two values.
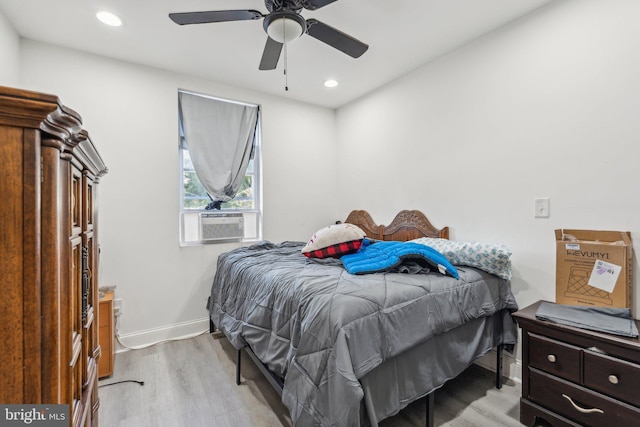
[221, 226]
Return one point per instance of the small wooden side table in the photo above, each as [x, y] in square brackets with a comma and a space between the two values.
[577, 377]
[106, 336]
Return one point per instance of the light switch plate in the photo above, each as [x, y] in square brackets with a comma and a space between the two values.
[541, 205]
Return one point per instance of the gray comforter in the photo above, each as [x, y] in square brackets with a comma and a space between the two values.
[322, 329]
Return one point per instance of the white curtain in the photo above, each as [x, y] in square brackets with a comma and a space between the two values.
[220, 138]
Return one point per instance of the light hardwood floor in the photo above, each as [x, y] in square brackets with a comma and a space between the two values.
[191, 383]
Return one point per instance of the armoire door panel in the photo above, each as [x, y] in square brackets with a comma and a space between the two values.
[76, 201]
[88, 201]
[67, 333]
[77, 368]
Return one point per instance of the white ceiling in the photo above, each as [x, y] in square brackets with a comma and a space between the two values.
[402, 35]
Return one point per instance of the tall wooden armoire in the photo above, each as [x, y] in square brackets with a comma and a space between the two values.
[49, 174]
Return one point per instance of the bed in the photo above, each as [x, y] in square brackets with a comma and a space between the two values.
[344, 349]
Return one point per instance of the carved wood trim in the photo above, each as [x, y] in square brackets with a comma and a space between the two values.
[411, 224]
[407, 225]
[363, 220]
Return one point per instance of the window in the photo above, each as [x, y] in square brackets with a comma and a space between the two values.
[195, 197]
[205, 219]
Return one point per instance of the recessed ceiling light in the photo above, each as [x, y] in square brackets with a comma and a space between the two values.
[109, 18]
[330, 83]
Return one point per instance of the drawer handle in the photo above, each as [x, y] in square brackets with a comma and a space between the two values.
[583, 410]
[613, 379]
[551, 358]
[596, 350]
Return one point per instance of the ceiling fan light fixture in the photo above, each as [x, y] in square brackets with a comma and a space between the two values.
[109, 18]
[285, 27]
[283, 24]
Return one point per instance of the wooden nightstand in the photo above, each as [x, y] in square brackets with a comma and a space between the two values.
[576, 377]
[106, 335]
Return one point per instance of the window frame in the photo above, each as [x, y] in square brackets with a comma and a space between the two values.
[253, 214]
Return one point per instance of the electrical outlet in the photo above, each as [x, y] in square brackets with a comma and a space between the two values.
[541, 205]
[117, 306]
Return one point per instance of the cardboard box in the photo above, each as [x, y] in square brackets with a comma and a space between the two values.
[593, 268]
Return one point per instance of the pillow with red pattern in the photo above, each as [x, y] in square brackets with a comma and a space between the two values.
[334, 241]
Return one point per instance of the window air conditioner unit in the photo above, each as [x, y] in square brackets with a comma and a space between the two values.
[221, 226]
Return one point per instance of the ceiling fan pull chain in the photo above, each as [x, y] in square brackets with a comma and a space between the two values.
[286, 76]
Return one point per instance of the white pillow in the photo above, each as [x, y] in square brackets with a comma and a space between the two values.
[334, 241]
[490, 257]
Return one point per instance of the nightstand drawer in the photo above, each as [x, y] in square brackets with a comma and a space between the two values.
[577, 377]
[614, 377]
[579, 404]
[554, 357]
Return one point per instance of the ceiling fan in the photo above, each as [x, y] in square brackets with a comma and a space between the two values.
[283, 24]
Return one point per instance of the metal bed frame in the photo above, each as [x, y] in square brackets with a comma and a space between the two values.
[278, 383]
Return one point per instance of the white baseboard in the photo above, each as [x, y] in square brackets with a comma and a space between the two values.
[511, 367]
[149, 337]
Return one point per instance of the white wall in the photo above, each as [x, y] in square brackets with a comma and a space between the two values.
[546, 107]
[131, 114]
[9, 53]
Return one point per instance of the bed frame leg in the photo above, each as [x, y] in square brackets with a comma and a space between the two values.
[216, 334]
[499, 366]
[239, 359]
[430, 402]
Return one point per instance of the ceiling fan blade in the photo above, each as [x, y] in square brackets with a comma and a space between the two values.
[271, 55]
[336, 38]
[315, 4]
[214, 16]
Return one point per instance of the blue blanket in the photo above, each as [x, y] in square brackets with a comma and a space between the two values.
[384, 256]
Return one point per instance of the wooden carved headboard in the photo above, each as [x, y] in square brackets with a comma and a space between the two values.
[407, 225]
